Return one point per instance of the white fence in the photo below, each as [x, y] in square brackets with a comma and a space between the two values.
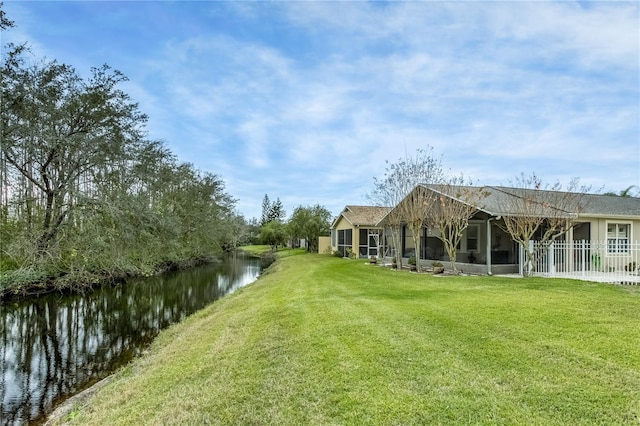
[608, 261]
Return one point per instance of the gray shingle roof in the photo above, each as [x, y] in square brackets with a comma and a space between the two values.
[503, 201]
[610, 205]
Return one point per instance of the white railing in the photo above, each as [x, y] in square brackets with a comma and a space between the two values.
[604, 261]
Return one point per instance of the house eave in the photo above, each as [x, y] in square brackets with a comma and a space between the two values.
[608, 216]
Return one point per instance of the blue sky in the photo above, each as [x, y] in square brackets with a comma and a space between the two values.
[304, 101]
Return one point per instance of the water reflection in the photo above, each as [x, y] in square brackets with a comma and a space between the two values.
[55, 346]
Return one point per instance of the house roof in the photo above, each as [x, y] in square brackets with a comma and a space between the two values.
[590, 204]
[363, 215]
[611, 205]
[507, 201]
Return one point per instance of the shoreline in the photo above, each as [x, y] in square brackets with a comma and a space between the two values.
[82, 281]
[78, 400]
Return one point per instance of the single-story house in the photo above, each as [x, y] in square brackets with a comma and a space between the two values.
[602, 237]
[356, 229]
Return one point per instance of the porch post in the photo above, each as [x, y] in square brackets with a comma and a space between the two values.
[489, 247]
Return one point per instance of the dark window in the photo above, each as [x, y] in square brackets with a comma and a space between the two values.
[344, 240]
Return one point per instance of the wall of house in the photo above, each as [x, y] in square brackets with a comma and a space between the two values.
[324, 245]
[599, 227]
[605, 255]
[341, 224]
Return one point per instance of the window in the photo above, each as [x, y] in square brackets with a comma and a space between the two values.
[473, 233]
[364, 246]
[344, 240]
[333, 238]
[618, 237]
[368, 240]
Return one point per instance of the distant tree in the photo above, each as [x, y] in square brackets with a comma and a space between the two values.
[310, 223]
[542, 211]
[266, 210]
[627, 192]
[253, 231]
[455, 203]
[277, 213]
[235, 232]
[272, 211]
[273, 233]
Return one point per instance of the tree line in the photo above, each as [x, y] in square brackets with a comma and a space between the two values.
[84, 191]
[306, 223]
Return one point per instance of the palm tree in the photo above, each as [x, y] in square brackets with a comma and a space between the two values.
[625, 192]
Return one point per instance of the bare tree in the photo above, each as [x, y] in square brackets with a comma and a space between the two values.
[402, 189]
[535, 210]
[455, 204]
[389, 191]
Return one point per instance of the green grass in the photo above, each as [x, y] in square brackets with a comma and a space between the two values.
[321, 340]
[258, 250]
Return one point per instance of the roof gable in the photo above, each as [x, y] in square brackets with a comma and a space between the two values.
[362, 215]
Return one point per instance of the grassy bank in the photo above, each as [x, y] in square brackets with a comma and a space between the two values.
[321, 340]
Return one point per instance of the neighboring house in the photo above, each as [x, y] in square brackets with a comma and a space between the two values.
[356, 229]
[604, 237]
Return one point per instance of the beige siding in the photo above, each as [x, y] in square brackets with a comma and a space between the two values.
[324, 245]
[599, 235]
[599, 227]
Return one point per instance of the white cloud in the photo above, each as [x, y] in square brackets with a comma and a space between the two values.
[313, 97]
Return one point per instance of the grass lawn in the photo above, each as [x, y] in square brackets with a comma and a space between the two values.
[321, 340]
[256, 249]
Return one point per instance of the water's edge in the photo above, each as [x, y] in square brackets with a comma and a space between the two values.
[109, 327]
[67, 407]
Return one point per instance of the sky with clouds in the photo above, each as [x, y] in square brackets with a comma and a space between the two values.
[305, 101]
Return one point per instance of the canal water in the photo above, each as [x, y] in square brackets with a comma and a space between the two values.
[57, 345]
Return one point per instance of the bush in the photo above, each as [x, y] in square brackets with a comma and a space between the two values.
[337, 253]
[14, 280]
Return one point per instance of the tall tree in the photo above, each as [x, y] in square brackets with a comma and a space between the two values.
[59, 128]
[277, 212]
[266, 210]
[82, 191]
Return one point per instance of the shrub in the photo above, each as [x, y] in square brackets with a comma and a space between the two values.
[350, 253]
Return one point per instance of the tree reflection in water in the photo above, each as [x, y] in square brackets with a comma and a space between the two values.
[57, 345]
